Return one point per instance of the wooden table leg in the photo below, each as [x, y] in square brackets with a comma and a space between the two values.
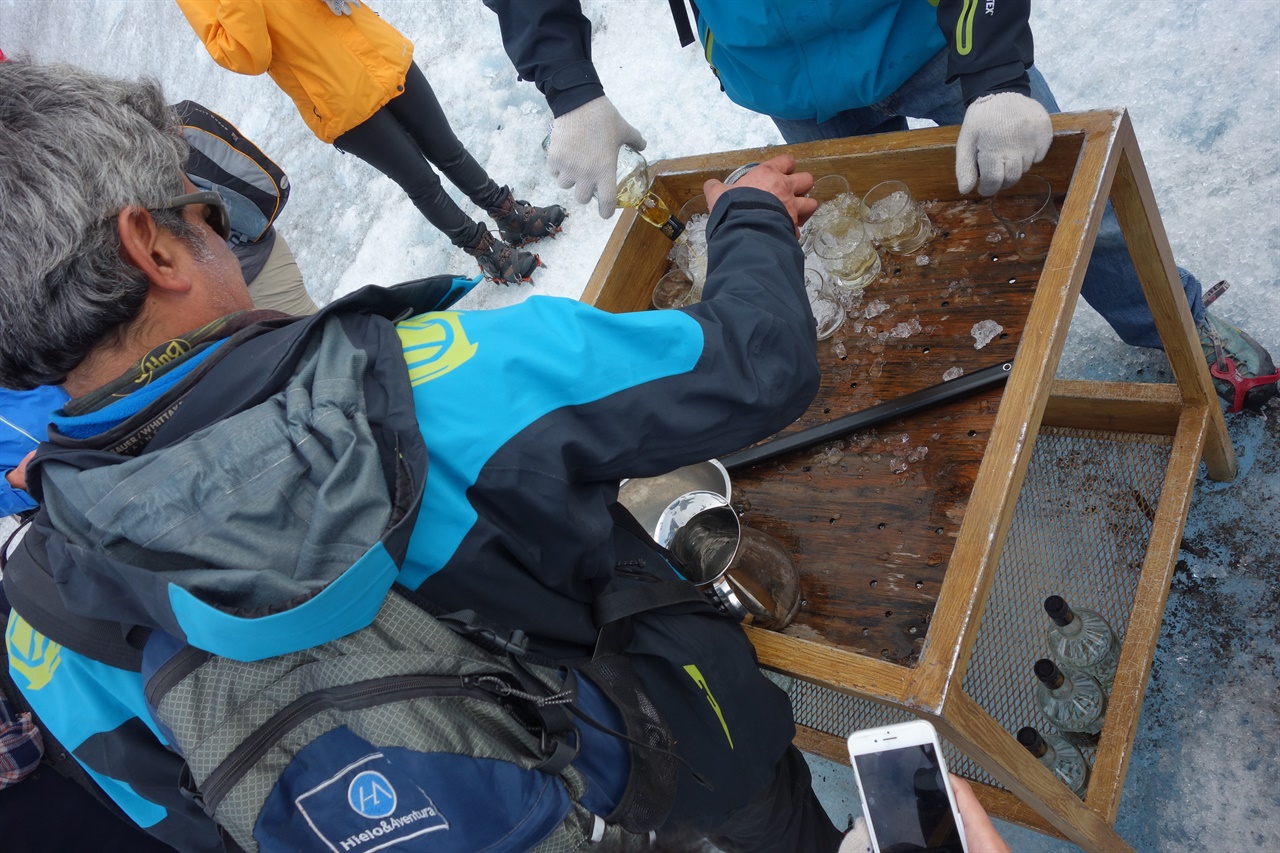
[978, 735]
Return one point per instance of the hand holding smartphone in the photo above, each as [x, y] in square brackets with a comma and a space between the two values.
[905, 789]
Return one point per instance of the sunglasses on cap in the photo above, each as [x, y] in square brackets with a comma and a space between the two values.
[215, 214]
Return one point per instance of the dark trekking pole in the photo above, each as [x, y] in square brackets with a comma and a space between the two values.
[879, 413]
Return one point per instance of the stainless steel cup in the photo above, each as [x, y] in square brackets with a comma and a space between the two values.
[744, 572]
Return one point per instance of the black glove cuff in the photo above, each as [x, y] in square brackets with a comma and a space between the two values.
[1011, 77]
[578, 73]
[572, 86]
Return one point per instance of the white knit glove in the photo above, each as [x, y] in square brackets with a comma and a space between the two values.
[1001, 137]
[584, 152]
[857, 839]
[341, 7]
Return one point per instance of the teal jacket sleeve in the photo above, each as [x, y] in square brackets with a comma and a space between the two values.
[98, 712]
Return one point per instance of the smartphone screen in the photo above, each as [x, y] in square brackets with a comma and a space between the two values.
[907, 804]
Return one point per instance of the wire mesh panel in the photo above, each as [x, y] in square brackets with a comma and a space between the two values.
[833, 712]
[1079, 530]
[839, 714]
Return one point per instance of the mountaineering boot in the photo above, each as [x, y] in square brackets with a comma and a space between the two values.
[1243, 373]
[503, 262]
[520, 222]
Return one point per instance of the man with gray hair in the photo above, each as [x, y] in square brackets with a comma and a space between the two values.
[244, 486]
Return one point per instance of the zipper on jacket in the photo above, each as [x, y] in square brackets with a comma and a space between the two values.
[19, 430]
[363, 694]
[635, 573]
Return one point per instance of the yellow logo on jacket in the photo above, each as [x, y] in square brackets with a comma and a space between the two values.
[31, 654]
[434, 344]
[701, 681]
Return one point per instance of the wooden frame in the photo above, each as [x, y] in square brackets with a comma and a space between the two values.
[1097, 155]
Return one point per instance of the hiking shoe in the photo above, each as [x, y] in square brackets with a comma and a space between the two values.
[520, 222]
[502, 262]
[1243, 373]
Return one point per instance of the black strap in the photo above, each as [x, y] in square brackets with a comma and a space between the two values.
[24, 521]
[681, 17]
[622, 603]
[489, 636]
[33, 592]
[615, 605]
[549, 713]
[612, 610]
[561, 742]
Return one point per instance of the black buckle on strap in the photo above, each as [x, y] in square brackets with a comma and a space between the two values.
[468, 624]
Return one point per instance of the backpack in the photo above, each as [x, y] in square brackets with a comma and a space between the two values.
[351, 745]
[354, 744]
[254, 187]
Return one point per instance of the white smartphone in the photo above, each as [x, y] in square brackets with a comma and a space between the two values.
[906, 794]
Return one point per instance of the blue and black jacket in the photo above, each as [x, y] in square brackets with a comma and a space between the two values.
[794, 60]
[481, 476]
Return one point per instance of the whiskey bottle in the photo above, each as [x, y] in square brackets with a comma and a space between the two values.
[633, 191]
[1060, 756]
[1081, 640]
[1074, 703]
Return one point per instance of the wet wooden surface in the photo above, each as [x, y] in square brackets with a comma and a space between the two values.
[871, 519]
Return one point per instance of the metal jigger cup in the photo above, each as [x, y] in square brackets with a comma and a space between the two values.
[1028, 215]
[742, 571]
[649, 498]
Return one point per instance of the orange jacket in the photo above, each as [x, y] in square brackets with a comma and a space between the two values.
[339, 69]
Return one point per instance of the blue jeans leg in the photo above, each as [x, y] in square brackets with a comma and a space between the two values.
[1110, 285]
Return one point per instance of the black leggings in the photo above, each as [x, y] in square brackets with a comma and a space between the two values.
[399, 140]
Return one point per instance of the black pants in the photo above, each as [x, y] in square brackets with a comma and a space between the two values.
[47, 813]
[785, 818]
[404, 138]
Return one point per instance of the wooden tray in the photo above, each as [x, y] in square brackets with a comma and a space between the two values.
[898, 531]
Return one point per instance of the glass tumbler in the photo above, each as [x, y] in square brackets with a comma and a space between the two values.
[1028, 215]
[828, 310]
[846, 250]
[897, 221]
[689, 252]
[673, 290]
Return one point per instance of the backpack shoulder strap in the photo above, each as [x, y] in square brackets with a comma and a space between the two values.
[681, 17]
[33, 592]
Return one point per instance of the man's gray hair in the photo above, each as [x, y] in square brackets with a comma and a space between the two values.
[75, 149]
